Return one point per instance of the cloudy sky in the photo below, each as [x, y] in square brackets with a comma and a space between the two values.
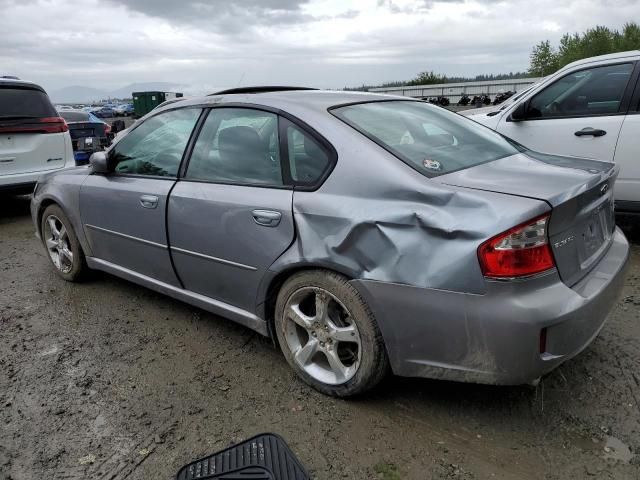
[324, 43]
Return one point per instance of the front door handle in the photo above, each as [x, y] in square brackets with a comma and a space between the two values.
[267, 218]
[594, 132]
[149, 201]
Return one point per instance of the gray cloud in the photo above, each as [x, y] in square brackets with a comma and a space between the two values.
[324, 43]
[222, 15]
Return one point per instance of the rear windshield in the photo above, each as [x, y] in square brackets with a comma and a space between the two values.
[430, 139]
[24, 103]
[75, 116]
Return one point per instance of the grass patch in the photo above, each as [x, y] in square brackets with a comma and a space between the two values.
[388, 471]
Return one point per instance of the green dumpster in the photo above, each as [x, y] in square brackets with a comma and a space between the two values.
[144, 102]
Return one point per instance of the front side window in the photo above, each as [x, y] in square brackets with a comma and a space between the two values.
[237, 145]
[430, 139]
[594, 91]
[156, 147]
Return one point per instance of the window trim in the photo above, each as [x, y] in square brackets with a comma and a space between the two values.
[625, 101]
[182, 159]
[288, 183]
[284, 124]
[634, 102]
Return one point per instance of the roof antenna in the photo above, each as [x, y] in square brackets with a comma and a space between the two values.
[241, 78]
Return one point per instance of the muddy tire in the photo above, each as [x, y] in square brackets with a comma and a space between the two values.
[329, 335]
[62, 245]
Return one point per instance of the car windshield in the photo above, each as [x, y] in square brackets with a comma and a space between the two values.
[430, 139]
[75, 116]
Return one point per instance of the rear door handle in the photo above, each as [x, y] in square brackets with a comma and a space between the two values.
[267, 218]
[149, 201]
[595, 132]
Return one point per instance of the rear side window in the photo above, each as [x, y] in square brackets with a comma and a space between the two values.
[18, 102]
[430, 139]
[155, 148]
[308, 160]
[594, 91]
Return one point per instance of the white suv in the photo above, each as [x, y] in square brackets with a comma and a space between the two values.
[34, 139]
[590, 108]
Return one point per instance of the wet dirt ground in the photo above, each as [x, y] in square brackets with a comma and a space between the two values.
[108, 380]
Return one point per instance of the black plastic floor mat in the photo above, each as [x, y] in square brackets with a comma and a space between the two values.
[263, 457]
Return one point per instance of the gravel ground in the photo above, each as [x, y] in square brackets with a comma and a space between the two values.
[108, 380]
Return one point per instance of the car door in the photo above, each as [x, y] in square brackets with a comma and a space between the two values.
[230, 216]
[579, 114]
[124, 212]
[627, 188]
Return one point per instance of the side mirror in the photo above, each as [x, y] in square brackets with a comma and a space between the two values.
[519, 113]
[98, 161]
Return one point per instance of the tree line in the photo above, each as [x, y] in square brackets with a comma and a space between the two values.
[545, 58]
[432, 78]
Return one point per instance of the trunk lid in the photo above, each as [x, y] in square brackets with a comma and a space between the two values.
[579, 191]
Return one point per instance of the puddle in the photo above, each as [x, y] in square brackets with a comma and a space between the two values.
[616, 450]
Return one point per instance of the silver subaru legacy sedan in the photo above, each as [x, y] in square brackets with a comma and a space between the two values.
[363, 233]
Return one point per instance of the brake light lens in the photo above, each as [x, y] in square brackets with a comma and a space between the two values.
[107, 129]
[37, 125]
[521, 251]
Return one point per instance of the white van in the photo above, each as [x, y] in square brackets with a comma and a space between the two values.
[34, 139]
[590, 108]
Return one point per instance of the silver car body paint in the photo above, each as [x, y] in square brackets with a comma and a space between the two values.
[409, 243]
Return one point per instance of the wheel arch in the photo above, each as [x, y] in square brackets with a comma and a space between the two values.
[50, 198]
[44, 204]
[271, 288]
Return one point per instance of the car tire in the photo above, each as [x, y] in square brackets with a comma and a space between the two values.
[339, 353]
[59, 245]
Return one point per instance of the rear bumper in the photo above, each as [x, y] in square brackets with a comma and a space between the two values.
[495, 338]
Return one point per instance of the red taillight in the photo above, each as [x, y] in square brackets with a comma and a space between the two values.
[37, 125]
[54, 124]
[107, 129]
[520, 251]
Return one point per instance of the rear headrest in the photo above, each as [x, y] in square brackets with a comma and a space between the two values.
[240, 139]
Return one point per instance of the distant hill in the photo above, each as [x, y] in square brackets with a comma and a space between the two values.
[77, 94]
[81, 94]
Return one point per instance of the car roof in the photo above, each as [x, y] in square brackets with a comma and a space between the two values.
[12, 82]
[319, 100]
[600, 58]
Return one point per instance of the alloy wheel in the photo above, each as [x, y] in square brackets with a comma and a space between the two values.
[58, 244]
[322, 335]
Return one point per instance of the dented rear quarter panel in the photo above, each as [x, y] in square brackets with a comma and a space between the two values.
[375, 218]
